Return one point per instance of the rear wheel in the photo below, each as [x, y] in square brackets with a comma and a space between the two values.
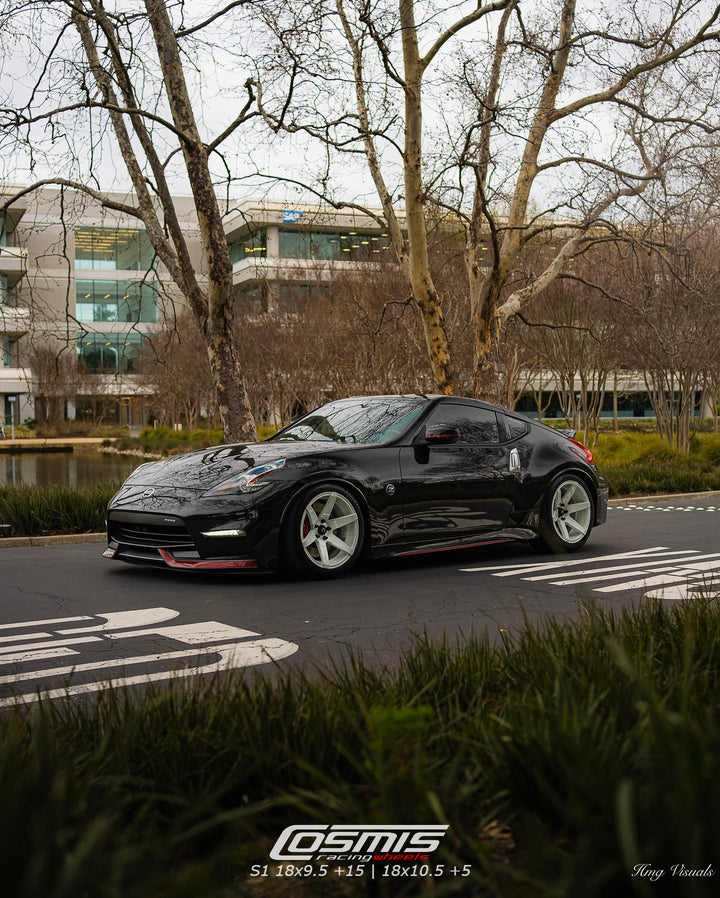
[567, 515]
[323, 534]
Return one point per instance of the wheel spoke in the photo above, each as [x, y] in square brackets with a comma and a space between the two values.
[309, 539]
[569, 492]
[563, 529]
[311, 513]
[324, 557]
[343, 520]
[578, 506]
[339, 544]
[574, 524]
[325, 513]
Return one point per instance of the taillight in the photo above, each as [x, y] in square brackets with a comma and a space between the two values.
[582, 451]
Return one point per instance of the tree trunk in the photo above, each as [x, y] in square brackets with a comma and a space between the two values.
[418, 261]
[217, 328]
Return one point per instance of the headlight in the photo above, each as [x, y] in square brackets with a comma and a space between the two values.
[247, 481]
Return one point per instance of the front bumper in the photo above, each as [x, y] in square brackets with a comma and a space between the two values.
[170, 527]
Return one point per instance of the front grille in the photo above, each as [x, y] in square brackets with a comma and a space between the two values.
[132, 533]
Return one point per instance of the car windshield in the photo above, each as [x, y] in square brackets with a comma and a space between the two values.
[356, 421]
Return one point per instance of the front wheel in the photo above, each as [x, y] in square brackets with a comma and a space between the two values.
[323, 534]
[567, 515]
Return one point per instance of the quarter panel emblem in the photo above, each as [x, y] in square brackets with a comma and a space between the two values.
[390, 489]
[148, 493]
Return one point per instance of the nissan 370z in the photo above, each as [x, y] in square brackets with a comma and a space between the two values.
[374, 476]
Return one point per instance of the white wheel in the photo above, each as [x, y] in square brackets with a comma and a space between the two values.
[571, 511]
[329, 530]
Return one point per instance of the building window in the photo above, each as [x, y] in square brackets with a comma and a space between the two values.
[333, 247]
[111, 249]
[250, 246]
[3, 289]
[110, 353]
[3, 233]
[128, 301]
[6, 351]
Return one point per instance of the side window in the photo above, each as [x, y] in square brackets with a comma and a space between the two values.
[476, 425]
[516, 427]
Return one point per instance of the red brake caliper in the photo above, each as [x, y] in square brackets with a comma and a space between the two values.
[305, 527]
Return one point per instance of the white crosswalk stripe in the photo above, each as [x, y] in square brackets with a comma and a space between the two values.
[663, 573]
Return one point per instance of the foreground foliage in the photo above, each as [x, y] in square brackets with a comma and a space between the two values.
[559, 758]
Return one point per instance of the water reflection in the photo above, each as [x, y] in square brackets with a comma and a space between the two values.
[64, 469]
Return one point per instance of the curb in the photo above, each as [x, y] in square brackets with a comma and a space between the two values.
[634, 500]
[71, 539]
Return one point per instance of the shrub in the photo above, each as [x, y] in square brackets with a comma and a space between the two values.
[47, 510]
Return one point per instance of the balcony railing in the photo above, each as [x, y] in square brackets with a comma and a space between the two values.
[15, 380]
[14, 322]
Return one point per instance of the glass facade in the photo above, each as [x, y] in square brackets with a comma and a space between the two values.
[111, 249]
[110, 353]
[3, 289]
[133, 301]
[6, 356]
[333, 247]
[252, 244]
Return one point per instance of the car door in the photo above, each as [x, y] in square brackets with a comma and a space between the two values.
[460, 489]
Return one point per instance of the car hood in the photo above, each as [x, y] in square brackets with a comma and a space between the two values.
[208, 467]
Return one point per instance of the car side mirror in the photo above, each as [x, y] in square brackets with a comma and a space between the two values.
[441, 435]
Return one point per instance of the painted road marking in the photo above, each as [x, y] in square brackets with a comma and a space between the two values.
[678, 574]
[510, 570]
[235, 649]
[662, 508]
[116, 620]
[43, 623]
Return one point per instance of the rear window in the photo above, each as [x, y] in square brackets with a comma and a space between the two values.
[516, 427]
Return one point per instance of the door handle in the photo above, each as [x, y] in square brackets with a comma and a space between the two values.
[514, 464]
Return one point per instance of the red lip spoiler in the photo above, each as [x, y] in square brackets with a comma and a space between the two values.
[206, 565]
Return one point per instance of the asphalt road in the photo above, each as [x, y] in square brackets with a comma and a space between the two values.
[73, 621]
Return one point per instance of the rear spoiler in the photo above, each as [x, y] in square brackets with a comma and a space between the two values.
[566, 432]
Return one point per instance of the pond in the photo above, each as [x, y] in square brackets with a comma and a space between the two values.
[76, 468]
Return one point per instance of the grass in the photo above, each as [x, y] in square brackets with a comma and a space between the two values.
[164, 441]
[642, 464]
[560, 759]
[45, 510]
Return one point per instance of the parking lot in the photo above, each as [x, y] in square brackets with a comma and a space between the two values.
[72, 621]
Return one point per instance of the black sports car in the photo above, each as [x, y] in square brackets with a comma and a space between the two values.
[373, 475]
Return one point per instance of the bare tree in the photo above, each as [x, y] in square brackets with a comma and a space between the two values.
[124, 71]
[672, 327]
[177, 371]
[517, 154]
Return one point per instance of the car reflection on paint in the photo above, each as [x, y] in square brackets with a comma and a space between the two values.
[374, 476]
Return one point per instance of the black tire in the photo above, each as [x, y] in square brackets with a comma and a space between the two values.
[321, 559]
[553, 523]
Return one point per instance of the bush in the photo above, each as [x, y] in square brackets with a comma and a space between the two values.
[80, 429]
[560, 758]
[47, 510]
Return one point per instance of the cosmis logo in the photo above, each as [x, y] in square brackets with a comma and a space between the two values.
[411, 841]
